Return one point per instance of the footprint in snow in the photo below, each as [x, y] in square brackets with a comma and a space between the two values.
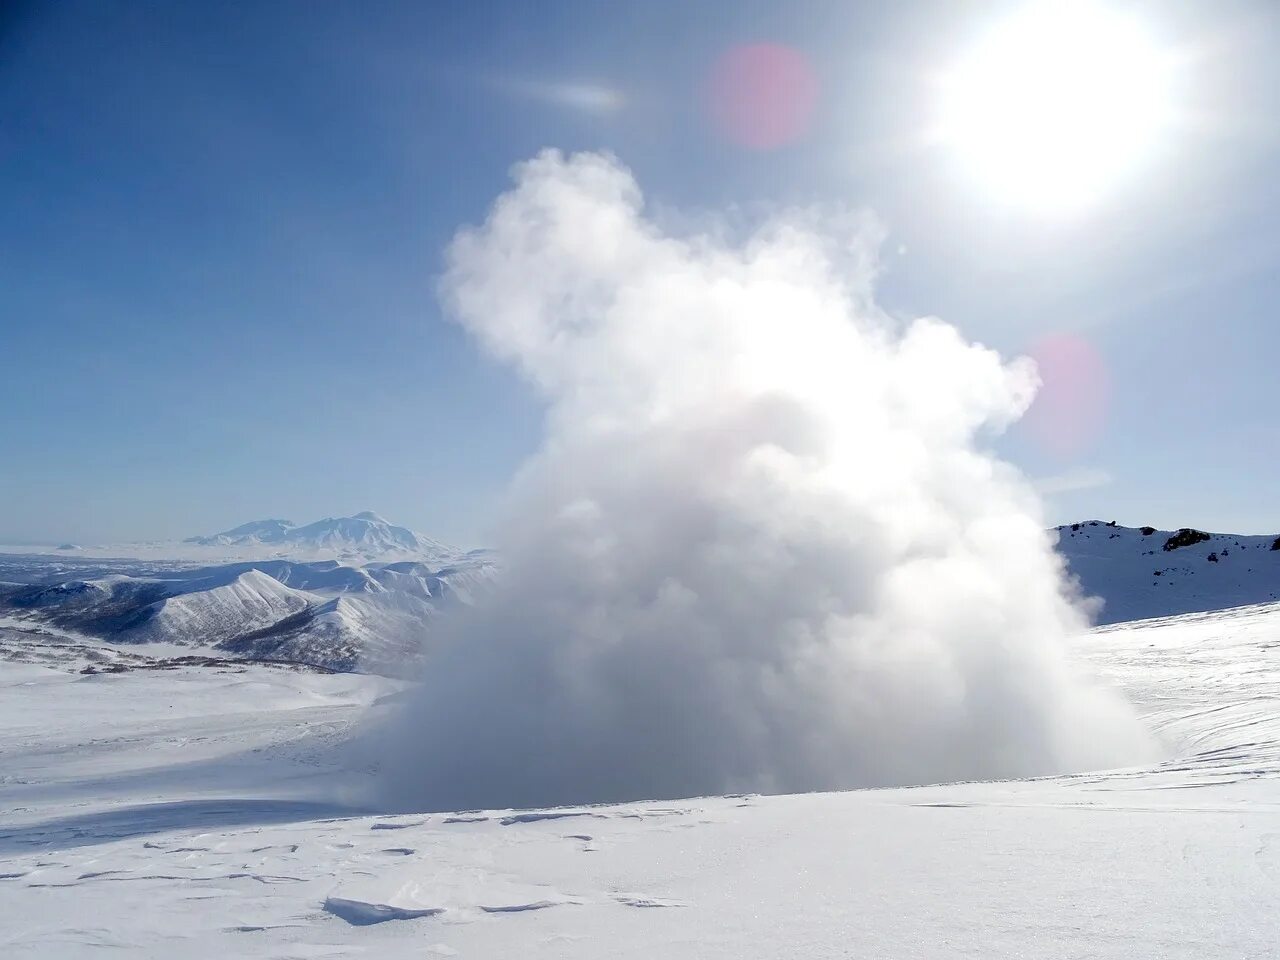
[648, 902]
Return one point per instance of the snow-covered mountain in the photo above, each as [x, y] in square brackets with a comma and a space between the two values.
[251, 602]
[1142, 572]
[364, 535]
[255, 531]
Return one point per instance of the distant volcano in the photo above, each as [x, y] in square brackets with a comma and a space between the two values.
[366, 534]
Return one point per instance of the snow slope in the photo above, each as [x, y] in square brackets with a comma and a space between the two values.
[216, 812]
[1136, 577]
[383, 633]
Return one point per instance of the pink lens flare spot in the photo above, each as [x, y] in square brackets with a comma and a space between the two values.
[1070, 409]
[762, 95]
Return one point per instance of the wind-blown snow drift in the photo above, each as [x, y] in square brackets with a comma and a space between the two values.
[759, 548]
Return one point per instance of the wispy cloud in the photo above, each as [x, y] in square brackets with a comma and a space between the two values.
[1079, 478]
[584, 96]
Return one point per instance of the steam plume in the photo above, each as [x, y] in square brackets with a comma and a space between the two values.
[761, 547]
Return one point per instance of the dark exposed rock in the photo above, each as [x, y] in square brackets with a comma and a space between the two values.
[1185, 537]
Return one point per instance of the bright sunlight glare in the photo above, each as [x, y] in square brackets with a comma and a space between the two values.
[1056, 102]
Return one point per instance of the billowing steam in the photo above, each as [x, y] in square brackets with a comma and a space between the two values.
[760, 549]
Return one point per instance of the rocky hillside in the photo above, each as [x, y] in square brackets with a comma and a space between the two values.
[1143, 572]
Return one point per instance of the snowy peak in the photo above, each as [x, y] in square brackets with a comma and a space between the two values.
[361, 532]
[364, 535]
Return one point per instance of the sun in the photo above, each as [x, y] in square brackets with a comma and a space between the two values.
[1055, 104]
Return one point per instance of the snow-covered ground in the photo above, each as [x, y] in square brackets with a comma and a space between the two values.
[173, 810]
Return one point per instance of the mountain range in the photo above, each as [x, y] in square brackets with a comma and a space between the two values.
[344, 593]
[373, 618]
[362, 538]
[352, 613]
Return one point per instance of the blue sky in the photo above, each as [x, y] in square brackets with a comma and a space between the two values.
[220, 226]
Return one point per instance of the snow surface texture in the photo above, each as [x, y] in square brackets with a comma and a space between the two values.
[204, 813]
[1144, 572]
[363, 537]
[760, 547]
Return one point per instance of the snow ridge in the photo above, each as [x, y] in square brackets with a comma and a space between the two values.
[250, 602]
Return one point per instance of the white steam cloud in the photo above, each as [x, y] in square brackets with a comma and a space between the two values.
[760, 548]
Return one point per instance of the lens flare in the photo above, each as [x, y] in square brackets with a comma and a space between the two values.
[762, 96]
[1070, 409]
